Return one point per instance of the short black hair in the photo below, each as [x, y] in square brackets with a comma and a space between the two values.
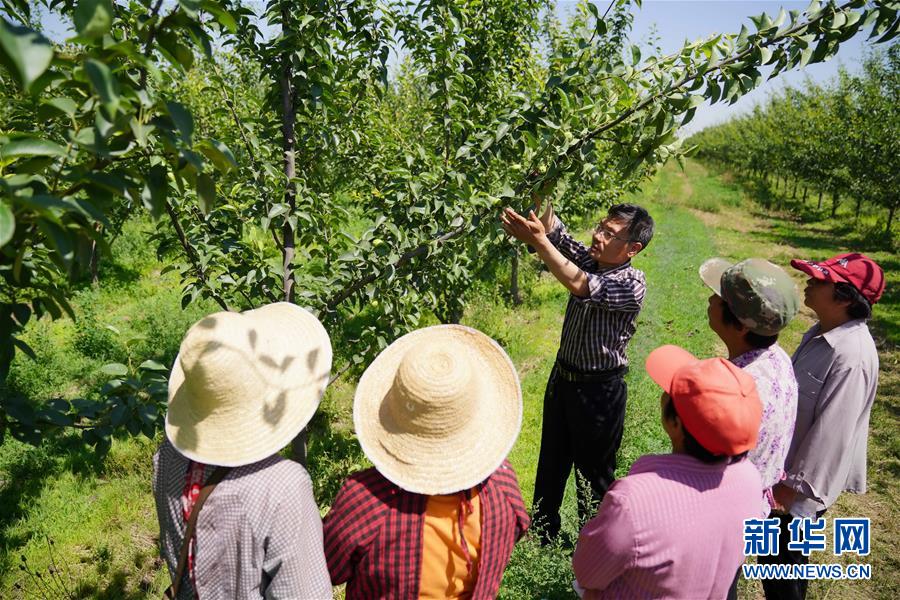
[640, 223]
[691, 445]
[859, 307]
[756, 340]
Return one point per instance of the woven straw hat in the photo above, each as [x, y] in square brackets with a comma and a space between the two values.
[439, 409]
[245, 384]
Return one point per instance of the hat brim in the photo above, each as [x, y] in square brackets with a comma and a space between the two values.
[271, 418]
[663, 362]
[711, 273]
[813, 269]
[451, 463]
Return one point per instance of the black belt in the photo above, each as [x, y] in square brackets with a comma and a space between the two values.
[567, 373]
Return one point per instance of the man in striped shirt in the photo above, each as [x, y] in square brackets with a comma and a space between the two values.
[584, 404]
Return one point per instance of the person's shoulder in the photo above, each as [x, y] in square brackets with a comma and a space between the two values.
[856, 348]
[626, 270]
[744, 470]
[646, 469]
[371, 484]
[504, 476]
[274, 473]
[167, 457]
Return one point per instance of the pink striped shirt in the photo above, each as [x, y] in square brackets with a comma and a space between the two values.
[673, 528]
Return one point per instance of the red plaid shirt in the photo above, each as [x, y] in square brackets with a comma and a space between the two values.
[373, 535]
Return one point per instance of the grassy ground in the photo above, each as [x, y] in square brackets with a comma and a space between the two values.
[100, 515]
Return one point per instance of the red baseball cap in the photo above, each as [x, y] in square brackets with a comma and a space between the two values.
[716, 401]
[854, 268]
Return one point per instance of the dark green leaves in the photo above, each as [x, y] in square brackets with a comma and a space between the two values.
[104, 84]
[7, 223]
[93, 18]
[183, 120]
[155, 190]
[30, 146]
[206, 193]
[219, 154]
[25, 53]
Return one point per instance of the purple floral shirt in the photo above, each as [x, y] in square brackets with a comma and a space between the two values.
[773, 373]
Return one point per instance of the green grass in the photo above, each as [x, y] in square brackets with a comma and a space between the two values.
[100, 514]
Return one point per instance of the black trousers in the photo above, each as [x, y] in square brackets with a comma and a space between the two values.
[582, 426]
[780, 589]
[785, 589]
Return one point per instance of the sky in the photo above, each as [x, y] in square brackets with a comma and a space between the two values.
[674, 21]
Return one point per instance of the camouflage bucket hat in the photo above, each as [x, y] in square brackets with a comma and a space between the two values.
[761, 295]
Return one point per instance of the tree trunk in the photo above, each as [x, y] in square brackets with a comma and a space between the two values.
[891, 209]
[835, 200]
[95, 264]
[514, 278]
[794, 191]
[819, 207]
[858, 206]
[288, 119]
[805, 194]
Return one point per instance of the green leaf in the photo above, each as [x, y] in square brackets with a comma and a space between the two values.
[206, 193]
[219, 154]
[155, 190]
[31, 147]
[278, 210]
[152, 365]
[66, 106]
[805, 55]
[183, 120]
[635, 55]
[7, 224]
[24, 52]
[104, 84]
[93, 18]
[59, 239]
[190, 7]
[114, 370]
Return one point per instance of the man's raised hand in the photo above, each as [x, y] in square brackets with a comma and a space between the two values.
[529, 230]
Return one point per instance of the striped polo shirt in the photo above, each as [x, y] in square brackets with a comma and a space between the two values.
[596, 329]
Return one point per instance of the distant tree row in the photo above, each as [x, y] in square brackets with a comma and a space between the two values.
[841, 140]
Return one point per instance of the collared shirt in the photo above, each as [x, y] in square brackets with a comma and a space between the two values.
[837, 375]
[672, 528]
[596, 329]
[773, 373]
[374, 533]
[259, 533]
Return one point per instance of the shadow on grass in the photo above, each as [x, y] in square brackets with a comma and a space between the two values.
[27, 474]
[116, 589]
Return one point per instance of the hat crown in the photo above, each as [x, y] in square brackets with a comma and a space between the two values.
[761, 295]
[218, 373]
[434, 389]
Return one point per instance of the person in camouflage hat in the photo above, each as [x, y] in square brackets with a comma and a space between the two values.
[761, 295]
[753, 301]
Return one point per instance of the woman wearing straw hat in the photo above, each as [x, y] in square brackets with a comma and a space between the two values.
[242, 387]
[436, 413]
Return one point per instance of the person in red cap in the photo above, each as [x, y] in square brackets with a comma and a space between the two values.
[672, 528]
[836, 365]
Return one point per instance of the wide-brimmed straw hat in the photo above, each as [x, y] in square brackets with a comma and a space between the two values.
[245, 384]
[439, 409]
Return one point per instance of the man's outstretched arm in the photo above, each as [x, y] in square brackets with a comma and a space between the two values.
[532, 232]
